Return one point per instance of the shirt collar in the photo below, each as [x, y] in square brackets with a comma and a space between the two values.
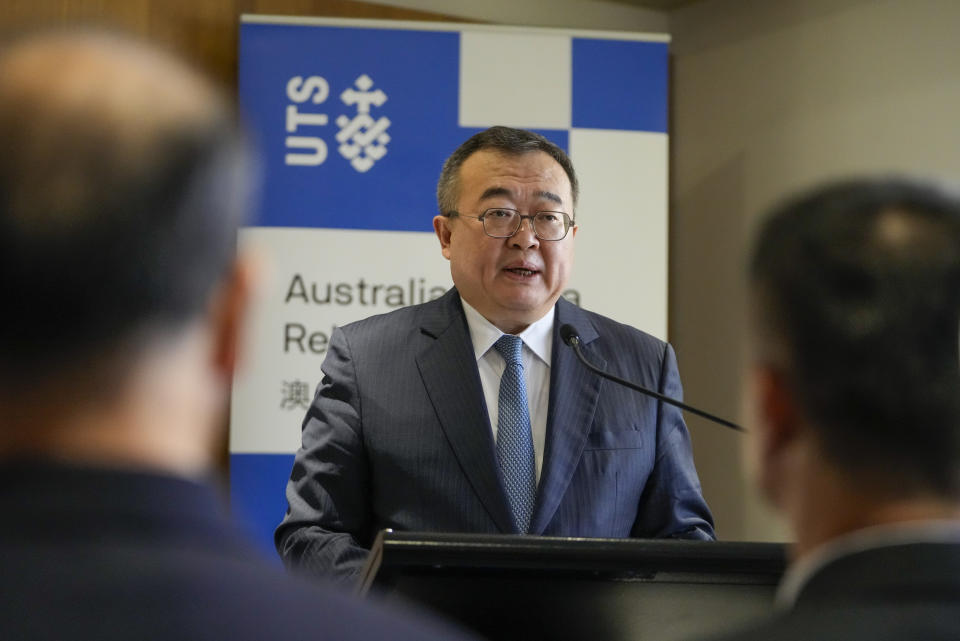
[538, 337]
[804, 568]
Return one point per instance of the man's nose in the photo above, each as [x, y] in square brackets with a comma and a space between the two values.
[526, 236]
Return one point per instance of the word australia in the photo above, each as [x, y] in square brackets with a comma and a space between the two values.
[361, 292]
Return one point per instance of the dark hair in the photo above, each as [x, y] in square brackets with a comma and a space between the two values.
[109, 233]
[860, 280]
[506, 140]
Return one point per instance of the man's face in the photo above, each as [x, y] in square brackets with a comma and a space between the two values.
[512, 281]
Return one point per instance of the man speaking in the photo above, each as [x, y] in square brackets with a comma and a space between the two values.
[468, 414]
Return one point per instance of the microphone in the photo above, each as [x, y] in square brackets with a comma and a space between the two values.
[571, 337]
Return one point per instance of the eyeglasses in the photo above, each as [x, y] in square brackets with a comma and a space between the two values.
[500, 222]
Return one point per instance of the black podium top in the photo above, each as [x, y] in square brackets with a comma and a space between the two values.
[529, 587]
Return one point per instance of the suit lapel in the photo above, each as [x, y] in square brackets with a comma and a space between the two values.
[573, 402]
[449, 372]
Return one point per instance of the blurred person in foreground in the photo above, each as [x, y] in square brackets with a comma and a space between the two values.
[122, 185]
[856, 384]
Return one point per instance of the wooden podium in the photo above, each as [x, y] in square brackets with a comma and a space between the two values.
[514, 588]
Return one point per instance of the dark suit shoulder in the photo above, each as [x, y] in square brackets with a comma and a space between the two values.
[851, 621]
[897, 592]
[400, 323]
[154, 590]
[610, 339]
[262, 601]
[621, 332]
[161, 571]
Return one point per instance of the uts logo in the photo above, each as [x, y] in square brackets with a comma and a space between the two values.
[362, 139]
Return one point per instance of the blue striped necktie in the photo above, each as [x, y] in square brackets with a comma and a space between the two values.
[514, 440]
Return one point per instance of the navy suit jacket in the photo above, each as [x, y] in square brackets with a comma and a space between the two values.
[119, 555]
[907, 592]
[398, 436]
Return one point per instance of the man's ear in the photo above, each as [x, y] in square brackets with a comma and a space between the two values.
[776, 428]
[229, 312]
[778, 407]
[441, 225]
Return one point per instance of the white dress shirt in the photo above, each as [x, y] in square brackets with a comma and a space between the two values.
[537, 348]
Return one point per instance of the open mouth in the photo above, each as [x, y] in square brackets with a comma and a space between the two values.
[519, 271]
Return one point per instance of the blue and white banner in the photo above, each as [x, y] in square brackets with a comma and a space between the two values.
[354, 119]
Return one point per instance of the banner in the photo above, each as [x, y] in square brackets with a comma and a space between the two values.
[354, 120]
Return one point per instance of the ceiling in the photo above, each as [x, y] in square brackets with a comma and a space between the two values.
[659, 5]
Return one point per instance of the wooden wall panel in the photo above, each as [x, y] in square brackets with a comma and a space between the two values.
[203, 31]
